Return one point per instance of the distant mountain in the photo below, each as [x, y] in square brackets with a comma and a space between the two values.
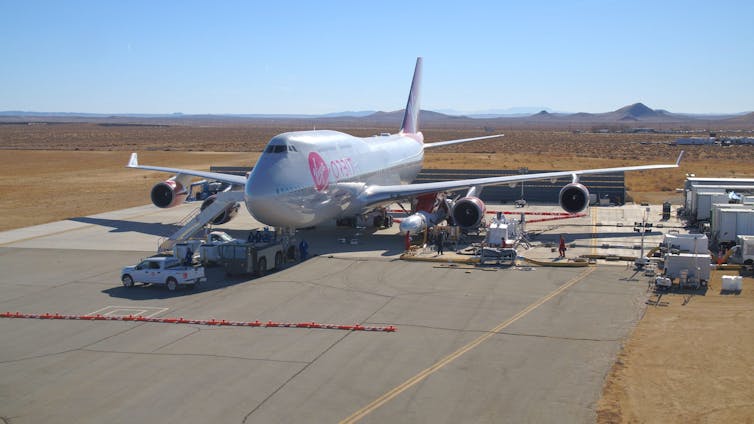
[636, 112]
[746, 120]
[634, 115]
[424, 116]
[356, 114]
[510, 112]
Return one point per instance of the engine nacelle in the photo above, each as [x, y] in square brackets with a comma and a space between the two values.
[226, 215]
[574, 198]
[168, 194]
[468, 212]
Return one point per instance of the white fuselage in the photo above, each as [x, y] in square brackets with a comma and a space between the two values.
[308, 177]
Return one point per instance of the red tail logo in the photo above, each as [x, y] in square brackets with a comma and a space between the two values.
[320, 173]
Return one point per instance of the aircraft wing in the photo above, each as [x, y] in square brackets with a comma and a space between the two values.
[381, 194]
[226, 178]
[460, 140]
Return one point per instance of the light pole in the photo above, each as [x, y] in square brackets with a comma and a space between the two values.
[642, 227]
[523, 171]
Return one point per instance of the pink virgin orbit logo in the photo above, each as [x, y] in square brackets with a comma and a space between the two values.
[320, 173]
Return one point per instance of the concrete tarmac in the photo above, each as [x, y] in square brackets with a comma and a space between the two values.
[507, 345]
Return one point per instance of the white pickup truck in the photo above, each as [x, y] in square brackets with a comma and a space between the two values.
[162, 270]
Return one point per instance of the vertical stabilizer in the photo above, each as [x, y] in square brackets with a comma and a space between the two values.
[410, 123]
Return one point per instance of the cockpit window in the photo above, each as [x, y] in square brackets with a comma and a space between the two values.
[292, 148]
[276, 148]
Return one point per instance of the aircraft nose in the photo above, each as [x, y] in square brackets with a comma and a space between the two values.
[261, 205]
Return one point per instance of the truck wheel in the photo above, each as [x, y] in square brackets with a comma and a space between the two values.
[278, 260]
[262, 267]
[172, 284]
[127, 281]
[748, 262]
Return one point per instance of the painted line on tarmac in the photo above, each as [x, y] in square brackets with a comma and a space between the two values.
[388, 396]
[113, 310]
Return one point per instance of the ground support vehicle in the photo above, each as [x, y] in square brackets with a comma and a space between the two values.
[165, 270]
[257, 258]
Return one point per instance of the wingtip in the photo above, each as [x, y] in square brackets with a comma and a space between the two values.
[134, 161]
[680, 156]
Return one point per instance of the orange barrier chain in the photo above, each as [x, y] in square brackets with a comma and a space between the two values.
[181, 320]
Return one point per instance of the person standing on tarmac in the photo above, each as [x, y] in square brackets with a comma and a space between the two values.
[303, 249]
[440, 243]
[562, 247]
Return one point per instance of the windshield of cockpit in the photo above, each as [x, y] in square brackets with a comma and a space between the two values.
[280, 148]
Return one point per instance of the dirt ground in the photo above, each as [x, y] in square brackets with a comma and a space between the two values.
[37, 187]
[687, 361]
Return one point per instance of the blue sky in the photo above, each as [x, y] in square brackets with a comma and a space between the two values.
[329, 56]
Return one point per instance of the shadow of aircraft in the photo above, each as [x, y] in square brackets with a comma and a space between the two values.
[122, 226]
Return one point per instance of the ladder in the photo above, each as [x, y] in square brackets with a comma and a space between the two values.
[197, 219]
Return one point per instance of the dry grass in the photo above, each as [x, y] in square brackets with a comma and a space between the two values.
[38, 186]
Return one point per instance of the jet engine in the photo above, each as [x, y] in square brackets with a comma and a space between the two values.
[468, 212]
[574, 198]
[223, 217]
[168, 194]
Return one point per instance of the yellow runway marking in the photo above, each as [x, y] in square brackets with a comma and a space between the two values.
[361, 413]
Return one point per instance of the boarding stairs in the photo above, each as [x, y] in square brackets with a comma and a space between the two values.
[198, 219]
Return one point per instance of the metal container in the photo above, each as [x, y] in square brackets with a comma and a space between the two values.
[729, 223]
[695, 266]
[687, 243]
[704, 202]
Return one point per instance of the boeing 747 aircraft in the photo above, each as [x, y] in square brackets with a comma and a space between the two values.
[305, 178]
